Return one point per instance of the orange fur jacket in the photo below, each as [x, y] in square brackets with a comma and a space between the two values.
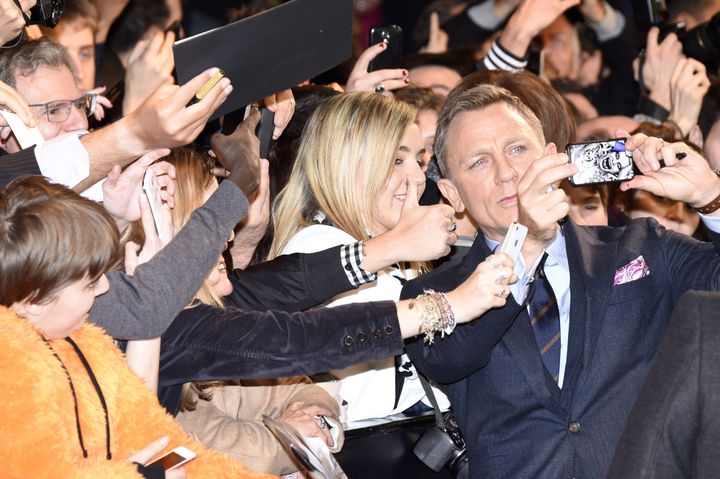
[38, 421]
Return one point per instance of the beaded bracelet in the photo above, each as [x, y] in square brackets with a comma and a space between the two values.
[448, 319]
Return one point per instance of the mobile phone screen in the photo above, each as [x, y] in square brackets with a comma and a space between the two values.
[172, 459]
[600, 162]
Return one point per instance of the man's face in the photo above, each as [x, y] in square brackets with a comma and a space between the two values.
[562, 49]
[47, 85]
[79, 42]
[488, 152]
[440, 79]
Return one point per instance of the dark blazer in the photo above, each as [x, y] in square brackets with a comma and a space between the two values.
[516, 421]
[17, 164]
[674, 428]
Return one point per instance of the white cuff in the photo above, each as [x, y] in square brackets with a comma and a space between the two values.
[711, 222]
[64, 159]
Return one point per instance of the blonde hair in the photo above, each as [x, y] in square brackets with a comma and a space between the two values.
[350, 140]
[192, 180]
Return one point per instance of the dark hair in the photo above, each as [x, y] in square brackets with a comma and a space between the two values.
[474, 99]
[458, 60]
[50, 237]
[549, 106]
[30, 55]
[421, 98]
[135, 21]
[710, 109]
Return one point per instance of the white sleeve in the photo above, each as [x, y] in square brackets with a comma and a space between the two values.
[64, 159]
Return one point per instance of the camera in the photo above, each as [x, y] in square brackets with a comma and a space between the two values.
[701, 43]
[444, 446]
[46, 13]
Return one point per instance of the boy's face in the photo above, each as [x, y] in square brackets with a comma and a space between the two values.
[79, 41]
[67, 311]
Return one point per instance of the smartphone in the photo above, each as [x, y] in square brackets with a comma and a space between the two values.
[152, 191]
[604, 161]
[264, 130]
[174, 459]
[207, 87]
[391, 35]
[513, 242]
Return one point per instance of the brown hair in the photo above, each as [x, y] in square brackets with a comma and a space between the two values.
[82, 13]
[50, 237]
[473, 99]
[26, 58]
[553, 111]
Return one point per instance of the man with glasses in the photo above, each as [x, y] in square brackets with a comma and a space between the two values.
[42, 75]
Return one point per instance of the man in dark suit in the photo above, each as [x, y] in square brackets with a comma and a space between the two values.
[673, 430]
[548, 397]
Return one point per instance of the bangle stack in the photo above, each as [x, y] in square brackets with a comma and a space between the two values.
[436, 315]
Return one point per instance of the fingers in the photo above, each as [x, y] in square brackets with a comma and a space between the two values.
[363, 61]
[12, 100]
[148, 223]
[251, 122]
[187, 91]
[151, 450]
[391, 79]
[114, 174]
[544, 172]
[411, 193]
[285, 108]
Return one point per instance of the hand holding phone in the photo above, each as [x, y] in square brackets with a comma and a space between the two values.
[391, 35]
[513, 242]
[600, 162]
[176, 458]
[152, 191]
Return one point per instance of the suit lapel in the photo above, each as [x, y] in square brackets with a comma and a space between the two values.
[592, 268]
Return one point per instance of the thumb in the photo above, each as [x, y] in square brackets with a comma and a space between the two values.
[434, 24]
[411, 195]
[149, 451]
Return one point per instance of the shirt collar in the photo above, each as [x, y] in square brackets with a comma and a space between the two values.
[557, 251]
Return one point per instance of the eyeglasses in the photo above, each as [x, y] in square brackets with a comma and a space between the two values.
[59, 111]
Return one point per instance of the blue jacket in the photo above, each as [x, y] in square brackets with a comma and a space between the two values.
[516, 421]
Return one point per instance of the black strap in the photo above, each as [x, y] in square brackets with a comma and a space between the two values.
[99, 393]
[155, 471]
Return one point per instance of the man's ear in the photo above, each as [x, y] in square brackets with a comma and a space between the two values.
[448, 190]
[550, 149]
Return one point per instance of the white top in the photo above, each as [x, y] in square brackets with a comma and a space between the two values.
[368, 388]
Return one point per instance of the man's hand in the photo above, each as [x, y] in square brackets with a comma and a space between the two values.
[11, 100]
[11, 19]
[239, 153]
[660, 61]
[688, 86]
[283, 105]
[690, 179]
[541, 203]
[123, 189]
[254, 226]
[165, 121]
[422, 234]
[361, 80]
[437, 39]
[530, 18]
[150, 65]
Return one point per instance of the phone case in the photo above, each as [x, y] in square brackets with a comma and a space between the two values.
[392, 36]
[153, 195]
[603, 161]
[513, 242]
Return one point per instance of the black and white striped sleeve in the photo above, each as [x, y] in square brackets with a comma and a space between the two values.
[500, 59]
[351, 256]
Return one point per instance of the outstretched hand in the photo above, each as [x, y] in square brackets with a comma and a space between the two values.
[239, 153]
[362, 80]
[687, 178]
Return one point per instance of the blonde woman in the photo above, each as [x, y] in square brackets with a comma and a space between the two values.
[357, 171]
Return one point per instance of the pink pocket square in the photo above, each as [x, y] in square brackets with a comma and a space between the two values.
[632, 271]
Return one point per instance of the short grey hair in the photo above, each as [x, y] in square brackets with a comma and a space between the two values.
[26, 58]
[473, 99]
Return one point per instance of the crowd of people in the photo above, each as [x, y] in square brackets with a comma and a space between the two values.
[319, 285]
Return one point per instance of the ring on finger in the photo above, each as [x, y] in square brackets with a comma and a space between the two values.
[321, 422]
[379, 88]
[453, 227]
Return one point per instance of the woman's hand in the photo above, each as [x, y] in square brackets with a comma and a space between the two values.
[388, 79]
[152, 450]
[486, 288]
[302, 417]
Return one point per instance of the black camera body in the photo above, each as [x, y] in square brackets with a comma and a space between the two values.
[701, 43]
[46, 13]
[444, 446]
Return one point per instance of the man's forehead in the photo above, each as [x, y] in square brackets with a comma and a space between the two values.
[493, 119]
[47, 84]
